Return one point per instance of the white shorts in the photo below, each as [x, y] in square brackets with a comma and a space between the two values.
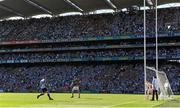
[75, 88]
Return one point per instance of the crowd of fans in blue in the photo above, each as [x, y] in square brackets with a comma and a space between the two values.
[97, 77]
[165, 53]
[122, 23]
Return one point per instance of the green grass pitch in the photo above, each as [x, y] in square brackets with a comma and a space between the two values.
[86, 101]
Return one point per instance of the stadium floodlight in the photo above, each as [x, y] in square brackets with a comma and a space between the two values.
[1, 0]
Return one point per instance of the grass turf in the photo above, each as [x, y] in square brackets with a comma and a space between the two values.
[86, 101]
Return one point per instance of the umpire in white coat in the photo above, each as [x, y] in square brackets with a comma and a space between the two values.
[155, 84]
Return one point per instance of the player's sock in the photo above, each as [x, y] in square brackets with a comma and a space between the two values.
[72, 95]
[39, 95]
[49, 97]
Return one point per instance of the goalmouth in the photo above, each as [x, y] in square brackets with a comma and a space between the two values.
[165, 90]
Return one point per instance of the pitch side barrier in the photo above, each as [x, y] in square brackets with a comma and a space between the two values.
[84, 39]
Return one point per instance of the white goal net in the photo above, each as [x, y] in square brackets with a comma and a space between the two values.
[165, 90]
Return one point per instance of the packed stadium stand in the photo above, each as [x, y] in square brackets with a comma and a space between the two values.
[104, 50]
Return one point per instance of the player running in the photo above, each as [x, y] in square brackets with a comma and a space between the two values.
[75, 86]
[44, 89]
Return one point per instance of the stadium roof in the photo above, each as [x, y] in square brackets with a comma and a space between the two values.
[28, 8]
[160, 2]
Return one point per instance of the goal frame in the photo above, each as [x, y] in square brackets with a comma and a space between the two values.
[163, 94]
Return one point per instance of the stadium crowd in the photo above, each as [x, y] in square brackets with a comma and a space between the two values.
[45, 56]
[122, 23]
[97, 77]
[97, 44]
[109, 78]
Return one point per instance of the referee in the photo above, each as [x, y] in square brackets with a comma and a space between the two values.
[155, 85]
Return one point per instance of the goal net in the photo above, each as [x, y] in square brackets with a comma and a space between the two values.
[165, 90]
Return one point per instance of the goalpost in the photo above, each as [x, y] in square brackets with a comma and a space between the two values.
[165, 88]
[164, 85]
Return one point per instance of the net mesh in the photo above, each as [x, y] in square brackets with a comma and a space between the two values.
[163, 82]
